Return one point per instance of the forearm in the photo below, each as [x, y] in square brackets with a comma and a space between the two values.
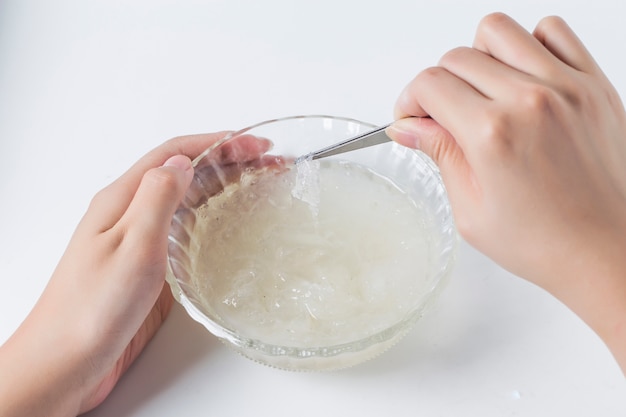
[608, 319]
[39, 372]
[605, 312]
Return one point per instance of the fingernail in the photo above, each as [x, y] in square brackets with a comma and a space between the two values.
[404, 132]
[179, 162]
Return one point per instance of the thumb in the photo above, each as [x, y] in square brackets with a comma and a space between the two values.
[160, 192]
[425, 134]
[430, 137]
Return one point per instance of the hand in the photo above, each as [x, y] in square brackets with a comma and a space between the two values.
[530, 137]
[107, 297]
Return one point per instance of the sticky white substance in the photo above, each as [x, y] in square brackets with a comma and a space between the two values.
[276, 270]
[307, 183]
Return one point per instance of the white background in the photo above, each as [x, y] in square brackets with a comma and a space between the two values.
[87, 87]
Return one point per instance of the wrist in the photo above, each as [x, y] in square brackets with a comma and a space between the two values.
[42, 368]
[591, 281]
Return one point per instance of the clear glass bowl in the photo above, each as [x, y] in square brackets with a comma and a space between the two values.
[198, 256]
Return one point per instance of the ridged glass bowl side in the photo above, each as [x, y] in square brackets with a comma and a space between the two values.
[411, 171]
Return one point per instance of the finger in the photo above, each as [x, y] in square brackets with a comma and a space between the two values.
[109, 204]
[212, 178]
[207, 182]
[562, 42]
[241, 148]
[453, 103]
[407, 104]
[190, 146]
[150, 212]
[504, 39]
[429, 137]
[490, 77]
[436, 142]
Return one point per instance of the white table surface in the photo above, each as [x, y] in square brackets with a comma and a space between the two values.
[87, 87]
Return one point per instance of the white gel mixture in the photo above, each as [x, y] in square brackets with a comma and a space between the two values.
[295, 266]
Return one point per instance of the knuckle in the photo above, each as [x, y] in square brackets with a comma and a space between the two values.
[162, 178]
[536, 99]
[455, 57]
[493, 138]
[493, 21]
[425, 81]
[550, 24]
[613, 97]
[441, 146]
[430, 74]
[100, 197]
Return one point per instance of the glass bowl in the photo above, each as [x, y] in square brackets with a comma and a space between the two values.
[315, 266]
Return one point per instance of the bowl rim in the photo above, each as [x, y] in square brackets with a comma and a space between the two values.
[232, 134]
[242, 342]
